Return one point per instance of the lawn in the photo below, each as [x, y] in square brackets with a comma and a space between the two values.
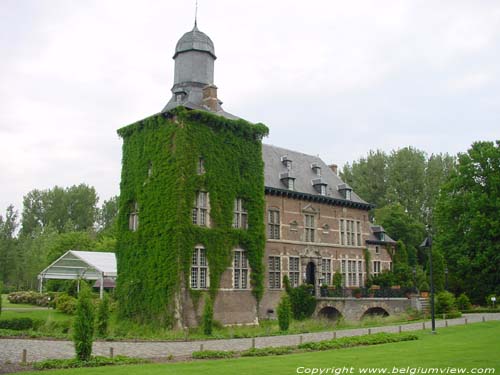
[475, 345]
[45, 314]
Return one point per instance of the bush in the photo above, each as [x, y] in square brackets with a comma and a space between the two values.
[346, 342]
[1, 288]
[284, 313]
[83, 326]
[261, 352]
[445, 302]
[208, 316]
[92, 362]
[206, 354]
[452, 315]
[302, 301]
[103, 316]
[424, 287]
[30, 298]
[66, 304]
[17, 324]
[463, 302]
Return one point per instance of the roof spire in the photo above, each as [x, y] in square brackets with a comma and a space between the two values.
[196, 15]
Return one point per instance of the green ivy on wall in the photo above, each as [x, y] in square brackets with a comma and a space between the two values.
[160, 156]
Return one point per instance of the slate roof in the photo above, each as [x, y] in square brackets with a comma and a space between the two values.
[302, 172]
[375, 231]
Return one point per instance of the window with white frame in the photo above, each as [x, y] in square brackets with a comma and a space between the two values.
[199, 269]
[133, 219]
[350, 232]
[309, 228]
[291, 183]
[240, 214]
[360, 273]
[351, 272]
[240, 269]
[322, 190]
[326, 271]
[200, 168]
[294, 271]
[343, 272]
[274, 264]
[376, 267]
[273, 224]
[200, 210]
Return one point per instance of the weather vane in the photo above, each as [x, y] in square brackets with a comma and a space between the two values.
[196, 14]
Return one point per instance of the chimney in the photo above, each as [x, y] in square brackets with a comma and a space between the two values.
[210, 98]
[334, 168]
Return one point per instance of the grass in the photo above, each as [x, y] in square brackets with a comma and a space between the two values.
[474, 345]
[46, 314]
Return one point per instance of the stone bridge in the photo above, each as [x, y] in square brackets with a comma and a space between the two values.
[357, 308]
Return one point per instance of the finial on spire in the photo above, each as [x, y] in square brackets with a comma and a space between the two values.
[196, 15]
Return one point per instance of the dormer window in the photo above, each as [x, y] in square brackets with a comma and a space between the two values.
[316, 169]
[346, 191]
[287, 162]
[320, 186]
[287, 179]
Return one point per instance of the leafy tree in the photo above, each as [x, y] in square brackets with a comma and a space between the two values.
[405, 180]
[467, 224]
[107, 214]
[284, 313]
[83, 325]
[8, 246]
[445, 303]
[1, 291]
[401, 226]
[103, 316]
[302, 301]
[63, 242]
[368, 177]
[463, 302]
[437, 172]
[208, 316]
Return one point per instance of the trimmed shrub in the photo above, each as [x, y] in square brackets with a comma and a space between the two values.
[31, 298]
[103, 316]
[424, 287]
[463, 302]
[445, 302]
[261, 352]
[83, 326]
[346, 342]
[66, 304]
[208, 316]
[17, 324]
[206, 354]
[302, 301]
[284, 313]
[92, 362]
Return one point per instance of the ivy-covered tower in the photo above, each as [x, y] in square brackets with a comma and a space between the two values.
[191, 204]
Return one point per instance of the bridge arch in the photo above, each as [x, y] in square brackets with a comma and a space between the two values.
[375, 311]
[330, 313]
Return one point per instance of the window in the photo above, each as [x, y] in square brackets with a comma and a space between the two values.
[199, 269]
[351, 272]
[377, 250]
[274, 272]
[150, 169]
[200, 210]
[240, 269]
[309, 228]
[350, 232]
[133, 219]
[293, 271]
[343, 272]
[360, 273]
[322, 190]
[273, 224]
[326, 271]
[200, 168]
[376, 267]
[291, 184]
[348, 194]
[240, 214]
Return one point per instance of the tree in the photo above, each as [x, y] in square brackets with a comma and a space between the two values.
[405, 180]
[66, 209]
[368, 177]
[83, 326]
[437, 172]
[208, 316]
[284, 312]
[103, 316]
[107, 215]
[467, 223]
[8, 246]
[401, 226]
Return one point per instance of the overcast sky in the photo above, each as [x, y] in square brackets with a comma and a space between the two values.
[329, 78]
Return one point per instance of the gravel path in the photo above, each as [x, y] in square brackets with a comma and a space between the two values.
[11, 349]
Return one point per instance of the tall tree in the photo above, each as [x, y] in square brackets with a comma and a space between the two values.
[368, 177]
[66, 209]
[405, 180]
[467, 221]
[107, 214]
[437, 172]
[8, 246]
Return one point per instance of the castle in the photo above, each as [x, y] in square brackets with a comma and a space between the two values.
[208, 211]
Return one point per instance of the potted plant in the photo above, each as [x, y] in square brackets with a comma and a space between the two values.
[356, 292]
[424, 290]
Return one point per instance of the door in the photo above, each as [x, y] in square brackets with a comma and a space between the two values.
[310, 273]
